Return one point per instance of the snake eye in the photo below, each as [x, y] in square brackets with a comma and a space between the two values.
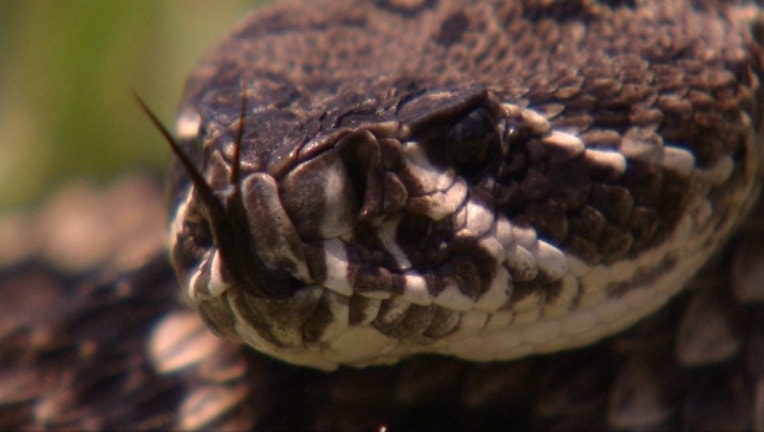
[469, 140]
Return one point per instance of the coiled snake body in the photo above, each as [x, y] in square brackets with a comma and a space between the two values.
[360, 182]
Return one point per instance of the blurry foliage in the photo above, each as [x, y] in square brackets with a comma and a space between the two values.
[66, 72]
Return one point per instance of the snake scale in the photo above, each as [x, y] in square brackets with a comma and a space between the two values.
[419, 183]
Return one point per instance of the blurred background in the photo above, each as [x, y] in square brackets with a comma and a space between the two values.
[66, 73]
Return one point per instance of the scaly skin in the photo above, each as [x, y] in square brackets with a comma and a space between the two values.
[487, 180]
[113, 347]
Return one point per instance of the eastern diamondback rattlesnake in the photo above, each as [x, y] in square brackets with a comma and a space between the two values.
[484, 180]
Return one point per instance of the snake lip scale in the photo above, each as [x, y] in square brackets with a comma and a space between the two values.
[478, 179]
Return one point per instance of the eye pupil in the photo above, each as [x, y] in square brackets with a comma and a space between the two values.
[469, 141]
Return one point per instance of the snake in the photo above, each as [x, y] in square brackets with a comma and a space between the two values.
[358, 184]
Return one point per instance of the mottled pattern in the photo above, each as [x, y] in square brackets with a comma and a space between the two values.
[115, 349]
[487, 180]
[398, 194]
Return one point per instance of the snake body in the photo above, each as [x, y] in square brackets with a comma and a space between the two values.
[480, 179]
[365, 181]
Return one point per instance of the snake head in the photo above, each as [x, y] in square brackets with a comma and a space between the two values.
[484, 211]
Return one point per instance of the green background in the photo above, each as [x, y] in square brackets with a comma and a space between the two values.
[67, 68]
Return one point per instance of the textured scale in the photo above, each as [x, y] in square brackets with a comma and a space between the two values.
[387, 162]
[481, 179]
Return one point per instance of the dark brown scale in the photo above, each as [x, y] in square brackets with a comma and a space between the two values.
[358, 308]
[387, 318]
[368, 279]
[615, 243]
[320, 318]
[444, 322]
[605, 138]
[463, 273]
[549, 218]
[412, 325]
[615, 202]
[584, 248]
[521, 290]
[587, 222]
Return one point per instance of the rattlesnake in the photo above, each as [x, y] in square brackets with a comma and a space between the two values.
[483, 180]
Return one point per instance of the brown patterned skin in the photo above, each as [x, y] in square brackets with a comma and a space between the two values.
[77, 355]
[89, 351]
[601, 131]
